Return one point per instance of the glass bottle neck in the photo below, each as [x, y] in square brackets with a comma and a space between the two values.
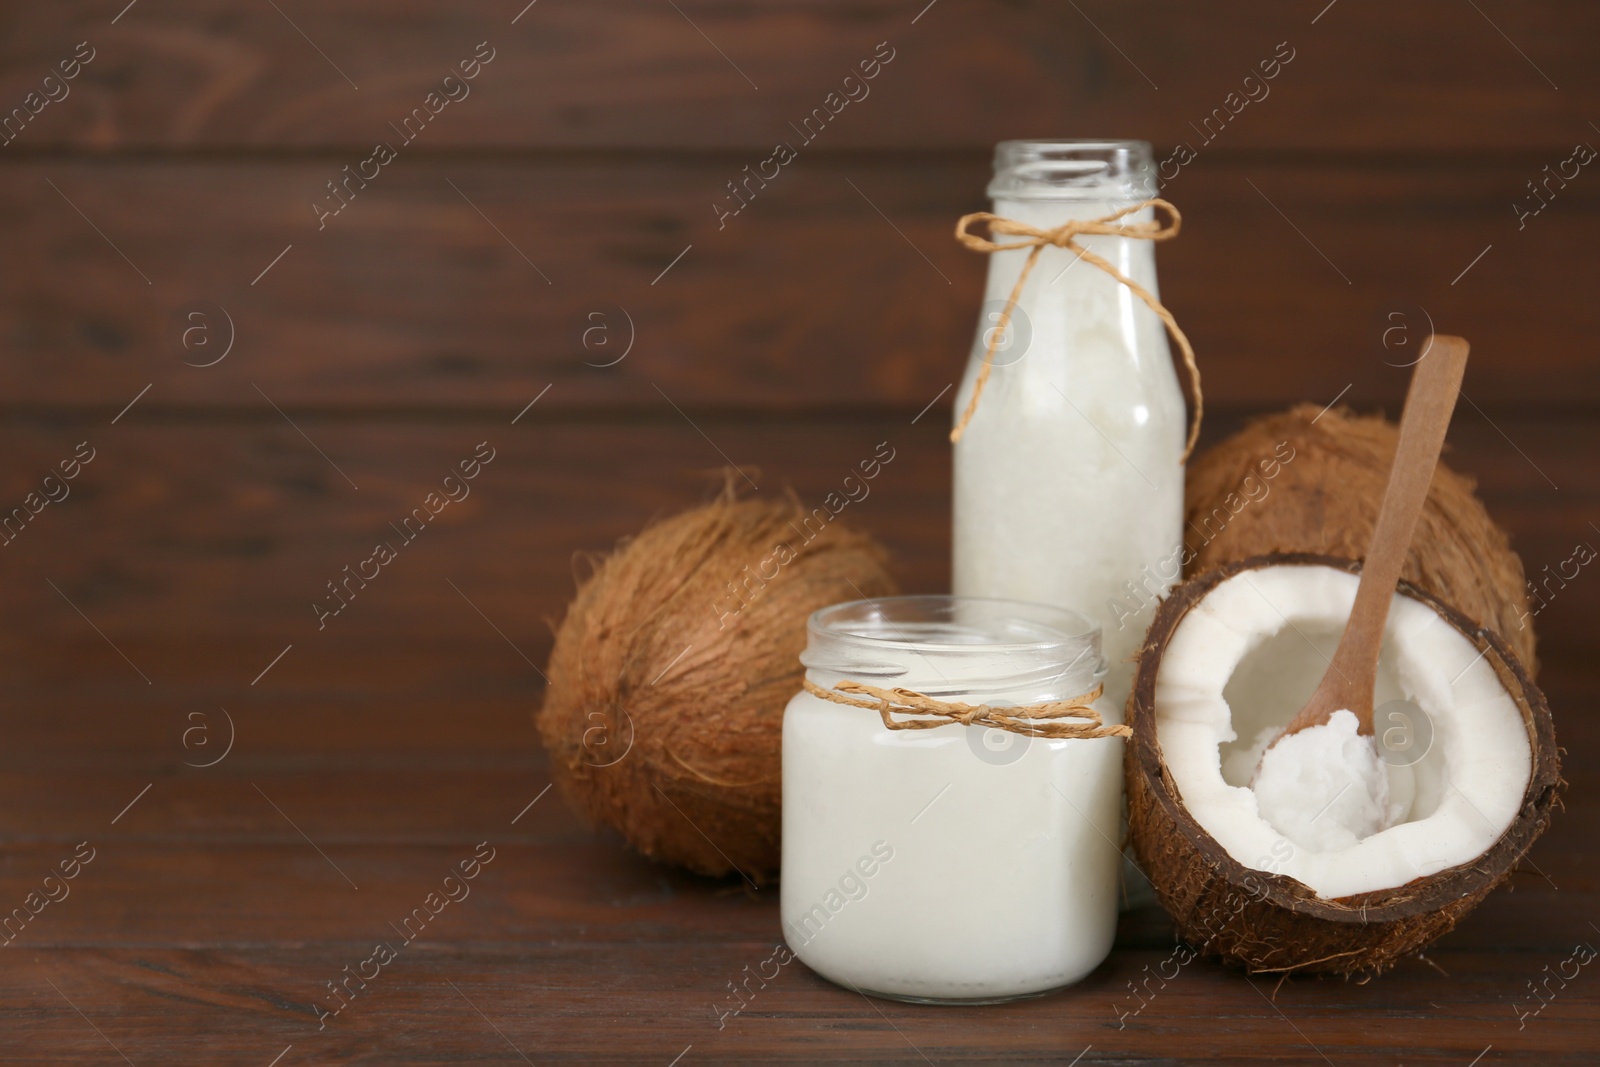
[1057, 275]
[1047, 214]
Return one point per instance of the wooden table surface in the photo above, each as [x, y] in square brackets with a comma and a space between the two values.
[251, 802]
[219, 905]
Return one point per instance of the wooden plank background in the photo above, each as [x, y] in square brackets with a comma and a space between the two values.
[158, 213]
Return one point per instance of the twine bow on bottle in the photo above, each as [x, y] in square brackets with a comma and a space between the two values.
[1065, 236]
[1019, 720]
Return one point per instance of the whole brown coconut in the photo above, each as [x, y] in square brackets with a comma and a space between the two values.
[664, 711]
[1309, 480]
[1272, 923]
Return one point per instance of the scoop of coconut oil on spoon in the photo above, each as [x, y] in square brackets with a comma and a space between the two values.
[1322, 782]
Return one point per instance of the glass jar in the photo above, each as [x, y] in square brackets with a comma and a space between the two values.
[962, 863]
[1068, 480]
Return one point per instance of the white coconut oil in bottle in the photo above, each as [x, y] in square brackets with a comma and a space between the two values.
[1068, 477]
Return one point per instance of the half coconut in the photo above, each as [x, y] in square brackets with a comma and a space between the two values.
[1464, 735]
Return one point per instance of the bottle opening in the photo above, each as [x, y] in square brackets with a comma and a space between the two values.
[1073, 170]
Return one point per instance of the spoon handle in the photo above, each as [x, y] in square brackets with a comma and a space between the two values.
[1430, 401]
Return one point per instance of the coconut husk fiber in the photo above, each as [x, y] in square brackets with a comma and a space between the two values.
[1325, 499]
[664, 711]
[1272, 923]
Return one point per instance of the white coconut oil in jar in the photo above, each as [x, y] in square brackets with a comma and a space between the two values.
[963, 863]
[1068, 480]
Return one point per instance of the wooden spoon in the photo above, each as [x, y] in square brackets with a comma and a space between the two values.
[1352, 675]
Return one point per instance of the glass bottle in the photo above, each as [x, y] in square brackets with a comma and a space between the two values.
[1068, 477]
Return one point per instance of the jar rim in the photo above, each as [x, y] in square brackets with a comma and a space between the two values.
[892, 636]
[1058, 627]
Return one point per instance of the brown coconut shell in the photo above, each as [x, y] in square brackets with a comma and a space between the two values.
[664, 710]
[1272, 923]
[1325, 499]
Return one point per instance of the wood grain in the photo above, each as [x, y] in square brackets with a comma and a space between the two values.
[249, 1004]
[808, 301]
[610, 73]
[172, 589]
[175, 937]
[224, 536]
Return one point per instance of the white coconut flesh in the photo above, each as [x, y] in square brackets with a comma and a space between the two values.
[1245, 659]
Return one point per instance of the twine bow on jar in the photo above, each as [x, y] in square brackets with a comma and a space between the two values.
[1065, 236]
[1018, 720]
